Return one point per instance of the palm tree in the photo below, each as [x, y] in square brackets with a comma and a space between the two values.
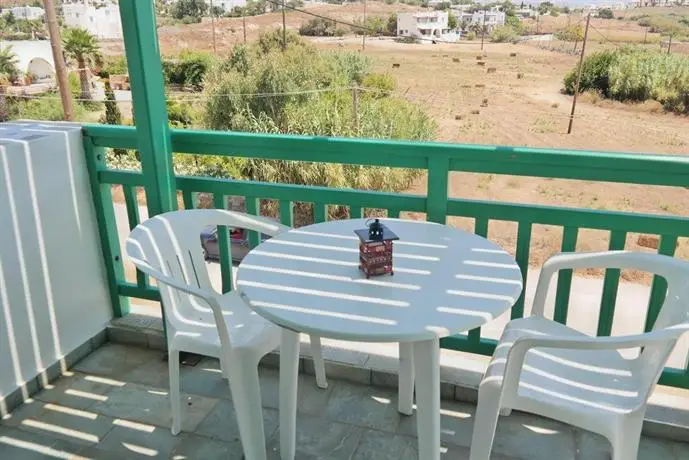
[8, 72]
[8, 62]
[80, 45]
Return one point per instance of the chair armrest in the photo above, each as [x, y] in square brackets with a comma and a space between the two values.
[255, 223]
[203, 294]
[522, 345]
[654, 263]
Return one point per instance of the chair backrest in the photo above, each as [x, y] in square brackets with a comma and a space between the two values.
[169, 245]
[673, 312]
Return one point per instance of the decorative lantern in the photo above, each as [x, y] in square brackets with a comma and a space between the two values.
[375, 249]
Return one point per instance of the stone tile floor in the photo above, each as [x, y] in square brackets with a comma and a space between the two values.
[113, 405]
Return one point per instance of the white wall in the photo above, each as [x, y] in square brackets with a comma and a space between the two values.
[53, 291]
[103, 22]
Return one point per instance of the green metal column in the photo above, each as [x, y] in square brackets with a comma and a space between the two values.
[148, 93]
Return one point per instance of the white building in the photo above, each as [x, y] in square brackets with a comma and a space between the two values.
[24, 12]
[493, 18]
[34, 57]
[101, 20]
[228, 5]
[431, 25]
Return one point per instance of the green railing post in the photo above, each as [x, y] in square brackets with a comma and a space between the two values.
[107, 227]
[438, 181]
[148, 94]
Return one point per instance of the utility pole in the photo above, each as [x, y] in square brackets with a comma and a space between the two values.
[669, 44]
[645, 35]
[363, 40]
[483, 28]
[538, 17]
[581, 65]
[60, 67]
[244, 22]
[284, 28]
[355, 109]
[215, 50]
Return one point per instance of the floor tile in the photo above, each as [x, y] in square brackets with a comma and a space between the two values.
[141, 441]
[534, 438]
[221, 423]
[456, 423]
[116, 360]
[151, 405]
[318, 439]
[22, 445]
[78, 390]
[364, 406]
[198, 447]
[205, 379]
[311, 399]
[377, 444]
[61, 422]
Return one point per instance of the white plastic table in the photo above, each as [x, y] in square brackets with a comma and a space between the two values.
[445, 281]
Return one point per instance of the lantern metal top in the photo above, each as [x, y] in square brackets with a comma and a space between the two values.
[388, 235]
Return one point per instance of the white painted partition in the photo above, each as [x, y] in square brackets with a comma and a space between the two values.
[53, 290]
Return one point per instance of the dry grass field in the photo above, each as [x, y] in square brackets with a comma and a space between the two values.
[518, 104]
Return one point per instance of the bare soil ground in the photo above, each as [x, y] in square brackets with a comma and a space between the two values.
[519, 104]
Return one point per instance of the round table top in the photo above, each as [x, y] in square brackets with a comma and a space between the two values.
[445, 281]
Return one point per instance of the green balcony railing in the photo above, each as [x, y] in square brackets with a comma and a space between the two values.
[439, 160]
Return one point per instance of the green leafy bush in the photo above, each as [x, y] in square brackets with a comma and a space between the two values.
[48, 108]
[188, 69]
[635, 74]
[504, 34]
[471, 35]
[605, 13]
[319, 27]
[306, 91]
[572, 33]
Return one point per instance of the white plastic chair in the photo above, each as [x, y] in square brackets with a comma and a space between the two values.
[199, 320]
[543, 367]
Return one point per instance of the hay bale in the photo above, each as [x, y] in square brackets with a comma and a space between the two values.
[481, 63]
[455, 59]
[513, 54]
[479, 57]
[520, 76]
[445, 55]
[395, 65]
[491, 70]
[459, 117]
[648, 241]
[475, 112]
[480, 85]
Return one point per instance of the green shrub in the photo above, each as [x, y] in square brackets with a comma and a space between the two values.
[635, 74]
[319, 27]
[572, 33]
[503, 34]
[48, 108]
[188, 69]
[381, 83]
[115, 65]
[304, 91]
[594, 74]
[471, 35]
[605, 13]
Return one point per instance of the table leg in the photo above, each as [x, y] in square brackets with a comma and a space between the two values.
[406, 378]
[427, 370]
[289, 369]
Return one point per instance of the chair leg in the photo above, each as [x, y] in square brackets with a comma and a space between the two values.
[625, 445]
[246, 397]
[406, 379]
[318, 363]
[486, 421]
[175, 404]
